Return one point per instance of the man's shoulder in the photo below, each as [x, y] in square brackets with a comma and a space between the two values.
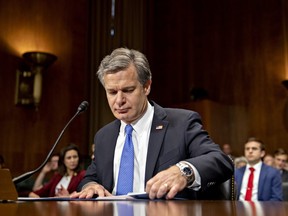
[239, 170]
[270, 169]
[114, 124]
[172, 110]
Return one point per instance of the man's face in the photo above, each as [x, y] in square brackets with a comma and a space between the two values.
[126, 96]
[280, 161]
[253, 152]
[227, 149]
[54, 162]
[268, 160]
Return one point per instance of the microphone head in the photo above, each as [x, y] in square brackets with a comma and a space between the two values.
[83, 106]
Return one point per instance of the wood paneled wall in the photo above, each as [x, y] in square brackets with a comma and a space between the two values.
[235, 51]
[61, 28]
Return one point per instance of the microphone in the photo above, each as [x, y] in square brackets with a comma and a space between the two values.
[82, 107]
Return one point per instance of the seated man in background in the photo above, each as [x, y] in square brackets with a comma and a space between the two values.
[226, 148]
[49, 169]
[268, 159]
[257, 181]
[280, 160]
[169, 152]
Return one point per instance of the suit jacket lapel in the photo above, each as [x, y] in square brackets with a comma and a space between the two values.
[261, 181]
[108, 160]
[158, 130]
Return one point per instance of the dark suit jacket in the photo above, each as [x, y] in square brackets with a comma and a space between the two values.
[284, 176]
[179, 137]
[270, 184]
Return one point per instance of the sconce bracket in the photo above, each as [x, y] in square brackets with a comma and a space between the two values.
[24, 88]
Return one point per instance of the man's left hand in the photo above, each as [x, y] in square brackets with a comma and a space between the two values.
[166, 183]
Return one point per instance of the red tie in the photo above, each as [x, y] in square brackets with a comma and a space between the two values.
[250, 185]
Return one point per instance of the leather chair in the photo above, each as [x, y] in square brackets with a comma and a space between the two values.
[223, 191]
[285, 191]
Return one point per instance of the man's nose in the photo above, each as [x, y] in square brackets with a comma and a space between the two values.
[119, 97]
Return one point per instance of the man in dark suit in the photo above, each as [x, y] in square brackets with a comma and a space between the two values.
[265, 180]
[280, 160]
[173, 154]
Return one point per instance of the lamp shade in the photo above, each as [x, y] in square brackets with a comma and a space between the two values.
[39, 58]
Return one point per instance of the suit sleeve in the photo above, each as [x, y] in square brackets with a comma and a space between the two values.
[277, 192]
[90, 176]
[213, 165]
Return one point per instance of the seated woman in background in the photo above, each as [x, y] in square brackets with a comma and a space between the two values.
[69, 175]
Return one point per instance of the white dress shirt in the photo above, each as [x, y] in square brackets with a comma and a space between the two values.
[140, 138]
[257, 171]
[64, 182]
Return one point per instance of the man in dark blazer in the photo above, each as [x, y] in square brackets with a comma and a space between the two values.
[280, 160]
[173, 154]
[267, 185]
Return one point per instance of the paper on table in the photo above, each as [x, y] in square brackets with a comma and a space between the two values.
[130, 196]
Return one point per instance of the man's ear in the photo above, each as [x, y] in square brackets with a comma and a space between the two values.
[147, 87]
[262, 153]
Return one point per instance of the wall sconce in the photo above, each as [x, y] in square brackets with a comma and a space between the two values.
[29, 77]
[285, 83]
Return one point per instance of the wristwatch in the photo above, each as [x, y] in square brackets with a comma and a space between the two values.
[186, 171]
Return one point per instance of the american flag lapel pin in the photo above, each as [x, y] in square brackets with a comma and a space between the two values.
[159, 127]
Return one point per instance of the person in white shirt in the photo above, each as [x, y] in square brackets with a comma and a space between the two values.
[173, 154]
[257, 181]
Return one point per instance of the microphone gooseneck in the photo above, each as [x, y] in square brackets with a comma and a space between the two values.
[82, 107]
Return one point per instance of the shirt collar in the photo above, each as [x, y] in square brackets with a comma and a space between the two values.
[140, 124]
[256, 166]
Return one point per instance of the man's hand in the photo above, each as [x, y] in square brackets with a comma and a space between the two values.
[90, 190]
[166, 183]
[47, 168]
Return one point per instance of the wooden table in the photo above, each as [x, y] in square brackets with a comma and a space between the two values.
[145, 208]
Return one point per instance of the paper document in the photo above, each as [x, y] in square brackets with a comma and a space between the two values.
[129, 196]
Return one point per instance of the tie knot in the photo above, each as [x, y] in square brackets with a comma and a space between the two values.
[251, 169]
[128, 129]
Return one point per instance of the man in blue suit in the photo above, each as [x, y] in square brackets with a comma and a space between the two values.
[173, 154]
[266, 181]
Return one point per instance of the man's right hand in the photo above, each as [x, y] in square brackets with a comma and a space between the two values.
[90, 190]
[47, 168]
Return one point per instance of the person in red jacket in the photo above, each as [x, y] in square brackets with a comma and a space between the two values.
[69, 175]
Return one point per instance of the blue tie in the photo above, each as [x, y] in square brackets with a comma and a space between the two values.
[125, 209]
[126, 170]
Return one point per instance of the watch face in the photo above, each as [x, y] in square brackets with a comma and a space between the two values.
[187, 171]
